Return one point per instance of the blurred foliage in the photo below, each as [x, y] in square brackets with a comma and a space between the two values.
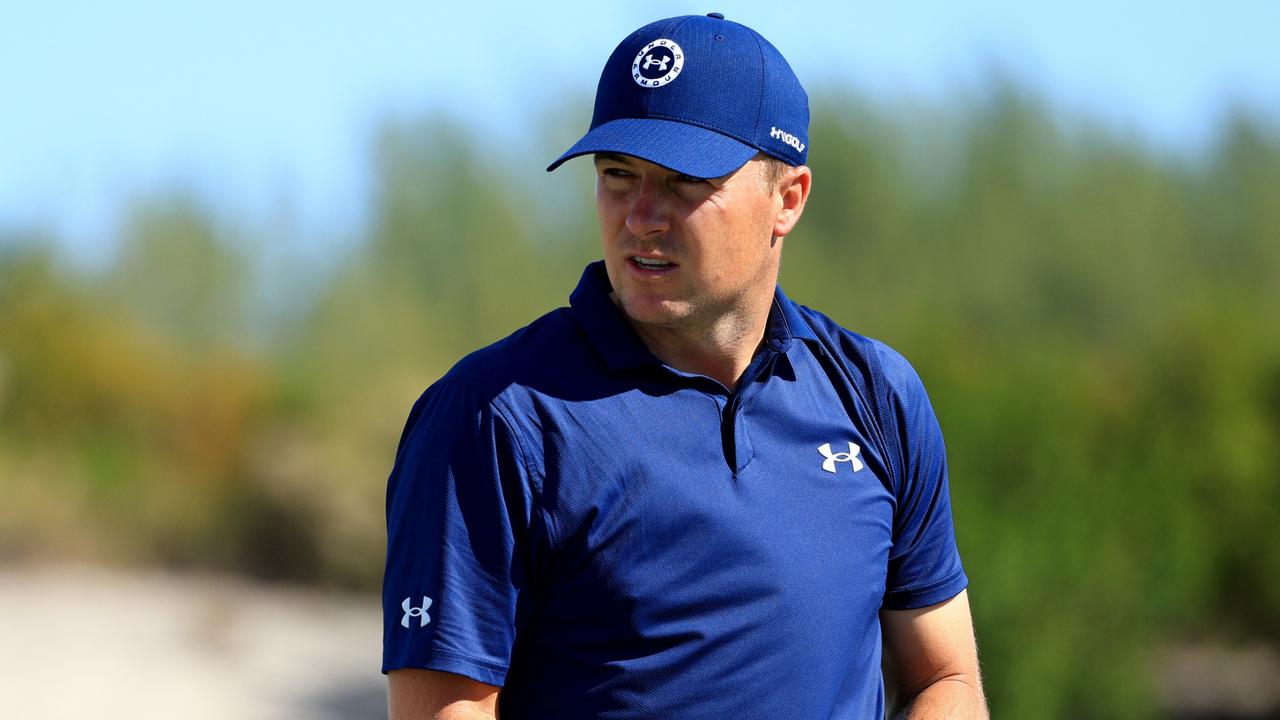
[1095, 321]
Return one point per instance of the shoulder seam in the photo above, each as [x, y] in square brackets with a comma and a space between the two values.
[887, 422]
[888, 418]
[504, 414]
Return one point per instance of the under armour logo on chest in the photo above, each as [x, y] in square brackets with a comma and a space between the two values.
[832, 458]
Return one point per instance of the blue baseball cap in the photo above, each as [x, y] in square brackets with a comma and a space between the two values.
[700, 95]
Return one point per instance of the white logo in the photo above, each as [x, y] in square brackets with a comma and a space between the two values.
[829, 464]
[787, 138]
[657, 63]
[419, 612]
[662, 64]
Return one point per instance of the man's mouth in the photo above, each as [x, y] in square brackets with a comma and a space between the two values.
[651, 263]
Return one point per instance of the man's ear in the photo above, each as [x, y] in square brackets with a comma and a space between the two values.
[793, 187]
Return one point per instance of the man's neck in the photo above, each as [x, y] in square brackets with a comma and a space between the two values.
[721, 351]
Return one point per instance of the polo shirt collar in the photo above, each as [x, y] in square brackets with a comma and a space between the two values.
[786, 323]
[613, 337]
[605, 325]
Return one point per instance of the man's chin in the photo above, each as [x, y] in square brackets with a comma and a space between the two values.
[653, 312]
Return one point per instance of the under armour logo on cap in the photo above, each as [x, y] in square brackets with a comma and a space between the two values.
[650, 68]
[662, 63]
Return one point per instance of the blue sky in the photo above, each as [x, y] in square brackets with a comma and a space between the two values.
[267, 108]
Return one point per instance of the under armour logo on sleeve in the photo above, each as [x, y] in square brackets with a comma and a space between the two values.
[850, 457]
[418, 612]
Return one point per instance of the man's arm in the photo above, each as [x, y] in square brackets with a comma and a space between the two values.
[932, 661]
[430, 695]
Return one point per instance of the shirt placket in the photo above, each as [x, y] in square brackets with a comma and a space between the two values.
[734, 428]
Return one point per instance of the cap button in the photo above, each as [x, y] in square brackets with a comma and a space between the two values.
[718, 16]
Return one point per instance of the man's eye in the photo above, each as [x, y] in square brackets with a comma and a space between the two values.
[615, 172]
[689, 179]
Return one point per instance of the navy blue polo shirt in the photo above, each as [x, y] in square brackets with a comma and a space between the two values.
[607, 537]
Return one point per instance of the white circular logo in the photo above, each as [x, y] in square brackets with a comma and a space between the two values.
[657, 63]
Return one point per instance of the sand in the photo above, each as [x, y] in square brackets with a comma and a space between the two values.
[80, 642]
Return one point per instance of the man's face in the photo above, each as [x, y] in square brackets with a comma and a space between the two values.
[686, 253]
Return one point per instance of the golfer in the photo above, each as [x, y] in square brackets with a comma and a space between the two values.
[684, 495]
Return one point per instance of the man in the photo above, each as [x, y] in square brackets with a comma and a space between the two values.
[683, 496]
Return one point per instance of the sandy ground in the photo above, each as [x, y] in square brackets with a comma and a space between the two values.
[79, 642]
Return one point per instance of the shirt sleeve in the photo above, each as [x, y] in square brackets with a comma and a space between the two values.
[924, 562]
[458, 519]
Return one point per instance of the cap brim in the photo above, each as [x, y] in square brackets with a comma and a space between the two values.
[678, 146]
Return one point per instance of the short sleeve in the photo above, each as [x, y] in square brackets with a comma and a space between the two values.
[924, 562]
[458, 519]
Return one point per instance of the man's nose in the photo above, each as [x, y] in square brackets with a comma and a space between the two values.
[648, 212]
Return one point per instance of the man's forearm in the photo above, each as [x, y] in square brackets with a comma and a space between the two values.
[947, 699]
[456, 712]
[418, 694]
